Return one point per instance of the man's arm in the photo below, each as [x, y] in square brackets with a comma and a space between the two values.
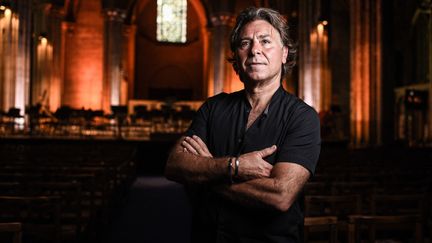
[185, 167]
[191, 162]
[277, 192]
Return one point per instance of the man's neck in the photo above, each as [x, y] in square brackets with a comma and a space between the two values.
[260, 95]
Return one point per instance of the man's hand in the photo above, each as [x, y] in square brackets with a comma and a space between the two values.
[260, 184]
[251, 165]
[196, 146]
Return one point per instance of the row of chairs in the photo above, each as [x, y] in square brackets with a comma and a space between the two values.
[367, 197]
[59, 198]
[364, 228]
[81, 122]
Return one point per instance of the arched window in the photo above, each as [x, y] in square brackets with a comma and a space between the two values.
[171, 21]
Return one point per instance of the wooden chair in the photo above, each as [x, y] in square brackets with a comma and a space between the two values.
[406, 204]
[333, 205]
[322, 223]
[389, 225]
[40, 216]
[362, 188]
[14, 228]
[316, 188]
[411, 204]
[337, 206]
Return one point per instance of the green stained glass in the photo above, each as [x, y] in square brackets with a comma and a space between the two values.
[171, 21]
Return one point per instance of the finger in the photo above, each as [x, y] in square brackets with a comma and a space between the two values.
[267, 151]
[269, 168]
[200, 143]
[186, 150]
[189, 148]
[194, 144]
[200, 147]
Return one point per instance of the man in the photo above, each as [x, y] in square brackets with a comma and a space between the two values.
[248, 154]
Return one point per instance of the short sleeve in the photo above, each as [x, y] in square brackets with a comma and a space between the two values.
[198, 126]
[302, 142]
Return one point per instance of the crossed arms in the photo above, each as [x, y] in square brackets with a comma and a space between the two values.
[259, 183]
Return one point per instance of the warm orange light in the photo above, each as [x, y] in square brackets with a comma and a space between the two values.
[84, 42]
[236, 84]
[365, 78]
[43, 41]
[7, 13]
[320, 28]
[324, 22]
[2, 8]
[89, 83]
[315, 88]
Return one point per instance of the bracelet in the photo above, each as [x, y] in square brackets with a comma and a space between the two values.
[236, 167]
[230, 164]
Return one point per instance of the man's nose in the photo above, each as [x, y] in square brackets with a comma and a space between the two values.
[255, 48]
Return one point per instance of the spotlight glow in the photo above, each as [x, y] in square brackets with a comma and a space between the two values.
[7, 13]
[44, 41]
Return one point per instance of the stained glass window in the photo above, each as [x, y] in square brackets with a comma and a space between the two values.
[171, 21]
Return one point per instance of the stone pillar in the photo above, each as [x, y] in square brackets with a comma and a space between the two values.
[83, 55]
[10, 90]
[128, 62]
[68, 30]
[220, 70]
[365, 78]
[23, 73]
[40, 48]
[428, 11]
[48, 61]
[57, 42]
[315, 81]
[113, 46]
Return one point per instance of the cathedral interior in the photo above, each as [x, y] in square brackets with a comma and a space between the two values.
[94, 93]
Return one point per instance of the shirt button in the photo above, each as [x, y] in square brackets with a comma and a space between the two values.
[240, 140]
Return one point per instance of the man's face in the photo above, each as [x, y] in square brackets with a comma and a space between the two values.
[260, 54]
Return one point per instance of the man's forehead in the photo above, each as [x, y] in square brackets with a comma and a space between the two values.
[260, 28]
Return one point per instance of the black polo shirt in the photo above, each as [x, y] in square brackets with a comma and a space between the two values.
[221, 121]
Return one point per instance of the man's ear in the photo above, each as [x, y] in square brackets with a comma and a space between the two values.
[284, 54]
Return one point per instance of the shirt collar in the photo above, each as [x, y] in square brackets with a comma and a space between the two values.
[276, 96]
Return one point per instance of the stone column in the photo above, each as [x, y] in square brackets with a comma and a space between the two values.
[128, 62]
[23, 73]
[84, 58]
[68, 32]
[428, 10]
[220, 70]
[10, 90]
[366, 80]
[315, 82]
[42, 58]
[57, 43]
[113, 45]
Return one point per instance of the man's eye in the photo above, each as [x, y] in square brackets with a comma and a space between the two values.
[264, 41]
[244, 43]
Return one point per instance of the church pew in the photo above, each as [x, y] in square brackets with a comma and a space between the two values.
[13, 228]
[321, 229]
[370, 228]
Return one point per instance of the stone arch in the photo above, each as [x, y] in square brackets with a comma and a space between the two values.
[152, 56]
